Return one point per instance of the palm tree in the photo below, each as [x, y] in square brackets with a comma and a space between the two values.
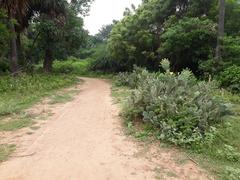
[13, 7]
[23, 11]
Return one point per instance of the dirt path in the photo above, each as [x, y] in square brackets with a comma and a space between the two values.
[84, 141]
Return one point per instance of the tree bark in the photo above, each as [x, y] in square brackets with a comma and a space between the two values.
[13, 48]
[21, 58]
[48, 61]
[221, 19]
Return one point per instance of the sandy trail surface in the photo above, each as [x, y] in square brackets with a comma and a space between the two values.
[84, 140]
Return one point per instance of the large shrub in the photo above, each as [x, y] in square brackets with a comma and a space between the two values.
[182, 109]
[230, 78]
[133, 79]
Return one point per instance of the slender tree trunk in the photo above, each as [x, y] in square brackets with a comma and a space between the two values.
[48, 61]
[218, 55]
[21, 58]
[13, 48]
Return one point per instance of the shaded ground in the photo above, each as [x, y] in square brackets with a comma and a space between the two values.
[84, 140]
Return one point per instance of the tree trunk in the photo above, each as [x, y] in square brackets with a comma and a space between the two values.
[13, 48]
[48, 61]
[218, 55]
[21, 58]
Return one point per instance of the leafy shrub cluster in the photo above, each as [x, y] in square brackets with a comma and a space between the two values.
[133, 79]
[231, 173]
[71, 66]
[229, 152]
[230, 79]
[182, 110]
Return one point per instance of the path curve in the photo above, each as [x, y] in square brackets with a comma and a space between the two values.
[84, 141]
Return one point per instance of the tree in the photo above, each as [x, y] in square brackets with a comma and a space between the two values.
[188, 42]
[4, 35]
[232, 16]
[13, 8]
[221, 19]
[104, 32]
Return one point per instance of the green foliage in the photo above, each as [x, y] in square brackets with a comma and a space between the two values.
[223, 154]
[4, 34]
[181, 109]
[104, 33]
[4, 67]
[188, 42]
[19, 93]
[231, 173]
[187, 36]
[103, 62]
[15, 124]
[232, 24]
[156, 30]
[134, 79]
[230, 78]
[229, 153]
[71, 66]
[231, 51]
[5, 151]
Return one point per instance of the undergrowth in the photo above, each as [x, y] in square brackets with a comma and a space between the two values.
[179, 109]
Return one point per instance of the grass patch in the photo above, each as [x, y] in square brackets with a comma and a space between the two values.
[5, 151]
[61, 98]
[15, 122]
[35, 128]
[22, 92]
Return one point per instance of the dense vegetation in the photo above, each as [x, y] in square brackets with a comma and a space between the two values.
[40, 30]
[182, 109]
[180, 62]
[185, 32]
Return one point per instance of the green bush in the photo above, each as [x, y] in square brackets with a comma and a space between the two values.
[182, 110]
[133, 79]
[71, 66]
[230, 78]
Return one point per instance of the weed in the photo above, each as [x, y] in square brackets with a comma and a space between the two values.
[5, 151]
[15, 122]
[21, 92]
[63, 98]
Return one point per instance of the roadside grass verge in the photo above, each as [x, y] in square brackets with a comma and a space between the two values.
[5, 151]
[63, 98]
[21, 92]
[15, 121]
[221, 158]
